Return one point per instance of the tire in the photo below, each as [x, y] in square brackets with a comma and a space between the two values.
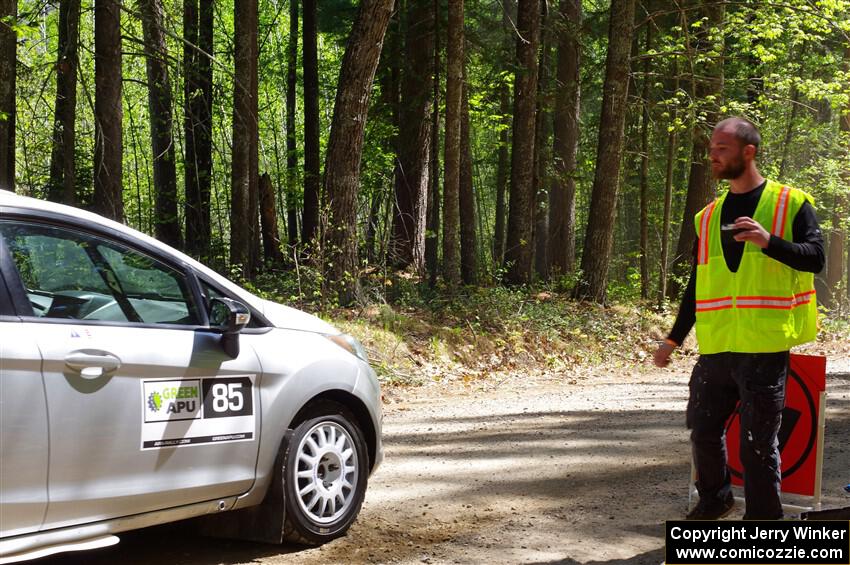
[325, 474]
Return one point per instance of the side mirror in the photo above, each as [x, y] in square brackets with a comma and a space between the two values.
[229, 317]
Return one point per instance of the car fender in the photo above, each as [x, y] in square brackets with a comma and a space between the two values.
[291, 378]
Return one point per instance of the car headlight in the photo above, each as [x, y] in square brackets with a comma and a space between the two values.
[350, 344]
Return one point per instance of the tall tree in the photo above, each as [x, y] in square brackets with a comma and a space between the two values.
[8, 75]
[644, 168]
[451, 188]
[606, 182]
[503, 162]
[566, 125]
[197, 122]
[845, 129]
[837, 237]
[268, 222]
[670, 160]
[243, 213]
[707, 88]
[345, 145]
[389, 71]
[312, 178]
[412, 174]
[466, 197]
[108, 111]
[291, 149]
[166, 221]
[254, 250]
[542, 153]
[62, 162]
[519, 249]
[433, 219]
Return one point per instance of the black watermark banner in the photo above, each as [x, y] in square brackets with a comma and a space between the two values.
[758, 542]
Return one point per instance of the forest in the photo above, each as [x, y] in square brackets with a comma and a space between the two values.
[455, 143]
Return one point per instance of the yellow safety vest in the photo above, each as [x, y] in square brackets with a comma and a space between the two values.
[765, 306]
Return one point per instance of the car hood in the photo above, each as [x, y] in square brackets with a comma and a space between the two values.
[290, 318]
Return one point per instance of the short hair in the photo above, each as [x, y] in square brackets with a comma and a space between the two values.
[743, 129]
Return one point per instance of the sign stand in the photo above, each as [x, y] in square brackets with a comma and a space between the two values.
[801, 436]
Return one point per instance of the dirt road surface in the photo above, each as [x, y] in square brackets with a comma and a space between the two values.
[545, 468]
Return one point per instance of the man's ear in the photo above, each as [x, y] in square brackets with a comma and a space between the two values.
[750, 151]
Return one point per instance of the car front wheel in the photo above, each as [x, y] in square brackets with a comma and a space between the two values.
[325, 475]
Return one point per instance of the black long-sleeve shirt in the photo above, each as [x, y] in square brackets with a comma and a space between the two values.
[805, 253]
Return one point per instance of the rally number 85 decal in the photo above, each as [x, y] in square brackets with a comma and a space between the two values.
[184, 412]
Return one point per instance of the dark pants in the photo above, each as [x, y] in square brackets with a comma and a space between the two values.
[717, 383]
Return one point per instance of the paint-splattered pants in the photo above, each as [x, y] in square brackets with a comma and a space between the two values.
[717, 383]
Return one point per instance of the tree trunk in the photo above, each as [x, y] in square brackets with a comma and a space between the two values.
[268, 218]
[502, 176]
[845, 128]
[603, 203]
[466, 198]
[789, 131]
[672, 145]
[835, 268]
[389, 72]
[562, 212]
[644, 171]
[291, 148]
[242, 215]
[412, 175]
[755, 80]
[166, 221]
[108, 112]
[519, 249]
[312, 178]
[62, 169]
[542, 154]
[345, 145]
[433, 215]
[835, 252]
[197, 122]
[503, 165]
[372, 226]
[8, 74]
[700, 183]
[255, 253]
[451, 190]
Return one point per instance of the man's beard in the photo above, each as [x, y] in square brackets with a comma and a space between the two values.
[731, 171]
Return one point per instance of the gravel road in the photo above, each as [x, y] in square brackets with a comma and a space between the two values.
[517, 468]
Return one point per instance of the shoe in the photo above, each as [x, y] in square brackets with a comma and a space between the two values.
[712, 509]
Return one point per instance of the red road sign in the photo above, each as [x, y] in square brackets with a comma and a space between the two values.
[798, 435]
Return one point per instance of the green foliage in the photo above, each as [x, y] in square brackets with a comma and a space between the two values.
[784, 66]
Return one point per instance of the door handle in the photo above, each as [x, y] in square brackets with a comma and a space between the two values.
[92, 363]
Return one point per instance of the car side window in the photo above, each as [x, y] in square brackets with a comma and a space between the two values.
[72, 275]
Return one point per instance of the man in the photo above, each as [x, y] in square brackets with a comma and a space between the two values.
[751, 296]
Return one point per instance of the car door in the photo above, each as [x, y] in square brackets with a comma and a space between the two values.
[23, 421]
[145, 410]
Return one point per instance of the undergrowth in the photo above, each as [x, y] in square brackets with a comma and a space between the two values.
[414, 333]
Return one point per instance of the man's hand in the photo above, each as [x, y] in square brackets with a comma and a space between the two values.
[753, 232]
[662, 354]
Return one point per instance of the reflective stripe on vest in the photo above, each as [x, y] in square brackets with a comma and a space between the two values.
[770, 302]
[714, 304]
[702, 255]
[779, 213]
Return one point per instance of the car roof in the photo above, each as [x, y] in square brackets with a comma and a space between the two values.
[12, 200]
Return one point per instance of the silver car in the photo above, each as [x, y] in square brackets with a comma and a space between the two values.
[138, 387]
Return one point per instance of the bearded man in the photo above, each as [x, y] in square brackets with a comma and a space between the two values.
[751, 296]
